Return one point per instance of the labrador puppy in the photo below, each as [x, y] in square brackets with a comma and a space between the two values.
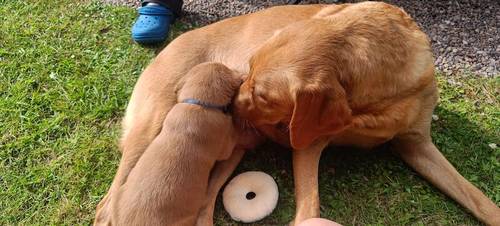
[353, 74]
[169, 183]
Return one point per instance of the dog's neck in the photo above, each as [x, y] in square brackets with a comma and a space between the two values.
[223, 108]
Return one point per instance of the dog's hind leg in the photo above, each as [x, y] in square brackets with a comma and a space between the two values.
[145, 114]
[421, 154]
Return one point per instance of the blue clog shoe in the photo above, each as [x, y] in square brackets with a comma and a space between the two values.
[152, 25]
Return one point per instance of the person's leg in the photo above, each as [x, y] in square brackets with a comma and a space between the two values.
[174, 5]
[153, 23]
[318, 222]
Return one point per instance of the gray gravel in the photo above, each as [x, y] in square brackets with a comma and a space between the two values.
[465, 33]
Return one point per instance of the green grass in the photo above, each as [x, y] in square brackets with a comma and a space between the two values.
[67, 70]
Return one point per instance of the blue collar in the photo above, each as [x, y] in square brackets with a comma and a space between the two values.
[224, 109]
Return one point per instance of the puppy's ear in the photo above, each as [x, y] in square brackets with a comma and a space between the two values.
[318, 112]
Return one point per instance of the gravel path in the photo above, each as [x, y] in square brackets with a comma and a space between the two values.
[465, 33]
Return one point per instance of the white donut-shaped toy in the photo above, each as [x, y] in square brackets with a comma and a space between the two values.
[250, 196]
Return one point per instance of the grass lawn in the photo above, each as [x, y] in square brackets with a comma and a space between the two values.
[67, 69]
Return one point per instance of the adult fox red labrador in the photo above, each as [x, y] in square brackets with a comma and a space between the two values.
[379, 87]
[356, 75]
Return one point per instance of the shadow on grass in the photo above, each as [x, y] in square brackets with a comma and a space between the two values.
[359, 187]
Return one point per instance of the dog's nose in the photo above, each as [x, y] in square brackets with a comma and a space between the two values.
[243, 103]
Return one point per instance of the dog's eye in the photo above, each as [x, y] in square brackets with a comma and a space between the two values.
[282, 127]
[259, 97]
[262, 99]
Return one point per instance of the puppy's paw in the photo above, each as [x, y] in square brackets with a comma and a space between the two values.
[102, 214]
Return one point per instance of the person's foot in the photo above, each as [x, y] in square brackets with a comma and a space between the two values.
[152, 24]
[318, 222]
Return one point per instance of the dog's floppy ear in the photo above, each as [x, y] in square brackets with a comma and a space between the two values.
[318, 112]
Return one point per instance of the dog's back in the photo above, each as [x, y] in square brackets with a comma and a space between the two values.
[168, 184]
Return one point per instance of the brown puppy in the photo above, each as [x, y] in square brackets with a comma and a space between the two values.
[169, 183]
[354, 74]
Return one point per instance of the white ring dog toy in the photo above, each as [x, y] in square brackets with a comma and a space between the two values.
[250, 196]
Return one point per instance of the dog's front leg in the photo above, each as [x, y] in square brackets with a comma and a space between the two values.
[422, 155]
[305, 174]
[219, 175]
